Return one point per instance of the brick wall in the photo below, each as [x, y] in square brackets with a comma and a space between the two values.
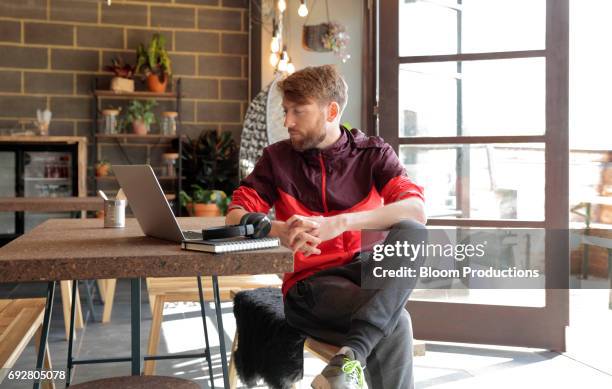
[51, 49]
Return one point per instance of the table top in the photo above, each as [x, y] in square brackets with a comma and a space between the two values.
[51, 204]
[66, 249]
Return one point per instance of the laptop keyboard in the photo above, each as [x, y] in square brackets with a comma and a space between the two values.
[192, 234]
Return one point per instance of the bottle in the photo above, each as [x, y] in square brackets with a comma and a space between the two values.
[168, 124]
[110, 121]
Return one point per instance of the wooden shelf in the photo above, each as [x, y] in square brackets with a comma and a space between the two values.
[133, 95]
[42, 139]
[135, 136]
[160, 178]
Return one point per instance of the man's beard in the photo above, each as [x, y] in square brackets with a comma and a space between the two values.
[308, 142]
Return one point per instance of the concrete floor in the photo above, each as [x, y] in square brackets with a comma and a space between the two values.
[586, 364]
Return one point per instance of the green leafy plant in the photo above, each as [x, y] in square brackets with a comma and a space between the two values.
[120, 68]
[200, 195]
[142, 111]
[210, 162]
[154, 59]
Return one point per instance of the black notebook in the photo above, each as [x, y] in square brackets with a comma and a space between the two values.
[227, 246]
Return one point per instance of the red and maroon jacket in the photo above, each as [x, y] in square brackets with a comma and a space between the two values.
[356, 173]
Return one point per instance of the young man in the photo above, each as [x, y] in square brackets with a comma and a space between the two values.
[327, 183]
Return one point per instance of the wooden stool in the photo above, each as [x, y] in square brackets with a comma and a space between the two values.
[139, 382]
[323, 351]
[175, 289]
[326, 351]
[66, 292]
[20, 320]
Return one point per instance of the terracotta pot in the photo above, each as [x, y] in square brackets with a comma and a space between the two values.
[155, 85]
[205, 210]
[102, 170]
[139, 127]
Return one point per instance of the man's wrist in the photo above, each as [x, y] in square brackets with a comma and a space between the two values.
[275, 231]
[344, 221]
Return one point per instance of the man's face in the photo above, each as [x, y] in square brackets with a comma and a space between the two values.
[305, 124]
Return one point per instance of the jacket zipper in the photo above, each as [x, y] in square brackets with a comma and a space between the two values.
[323, 181]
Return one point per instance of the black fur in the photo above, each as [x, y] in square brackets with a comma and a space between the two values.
[268, 347]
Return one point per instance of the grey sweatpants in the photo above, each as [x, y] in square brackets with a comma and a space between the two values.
[331, 306]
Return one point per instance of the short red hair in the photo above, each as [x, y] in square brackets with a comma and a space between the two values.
[323, 84]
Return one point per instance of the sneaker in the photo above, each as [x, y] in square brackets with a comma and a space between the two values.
[342, 372]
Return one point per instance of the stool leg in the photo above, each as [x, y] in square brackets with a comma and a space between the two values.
[207, 351]
[610, 276]
[78, 324]
[47, 384]
[66, 303]
[109, 298]
[151, 297]
[585, 262]
[233, 374]
[102, 289]
[158, 314]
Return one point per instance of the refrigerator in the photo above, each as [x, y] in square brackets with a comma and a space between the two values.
[35, 170]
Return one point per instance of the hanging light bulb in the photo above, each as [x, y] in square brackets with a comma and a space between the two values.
[282, 5]
[303, 10]
[274, 59]
[275, 44]
[108, 2]
[284, 61]
[290, 68]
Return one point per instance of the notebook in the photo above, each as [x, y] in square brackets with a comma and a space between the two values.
[228, 246]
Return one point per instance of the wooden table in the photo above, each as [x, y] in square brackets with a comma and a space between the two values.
[50, 204]
[57, 204]
[77, 249]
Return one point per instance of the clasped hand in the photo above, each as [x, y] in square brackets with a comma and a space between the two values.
[304, 233]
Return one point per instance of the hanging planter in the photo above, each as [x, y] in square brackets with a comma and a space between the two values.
[326, 37]
[313, 37]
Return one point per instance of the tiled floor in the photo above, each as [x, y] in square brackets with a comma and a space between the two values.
[587, 364]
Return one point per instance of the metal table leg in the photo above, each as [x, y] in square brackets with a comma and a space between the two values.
[45, 330]
[221, 331]
[207, 350]
[69, 364]
[135, 300]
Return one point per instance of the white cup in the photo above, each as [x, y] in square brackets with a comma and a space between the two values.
[114, 213]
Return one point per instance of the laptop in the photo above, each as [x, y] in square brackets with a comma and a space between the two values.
[149, 204]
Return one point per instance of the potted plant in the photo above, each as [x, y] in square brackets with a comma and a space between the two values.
[102, 168]
[155, 63]
[124, 74]
[211, 162]
[336, 39]
[140, 114]
[203, 202]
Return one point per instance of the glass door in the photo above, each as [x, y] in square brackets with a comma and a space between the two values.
[47, 174]
[474, 97]
[8, 188]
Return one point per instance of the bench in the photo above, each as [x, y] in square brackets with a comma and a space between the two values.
[20, 320]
